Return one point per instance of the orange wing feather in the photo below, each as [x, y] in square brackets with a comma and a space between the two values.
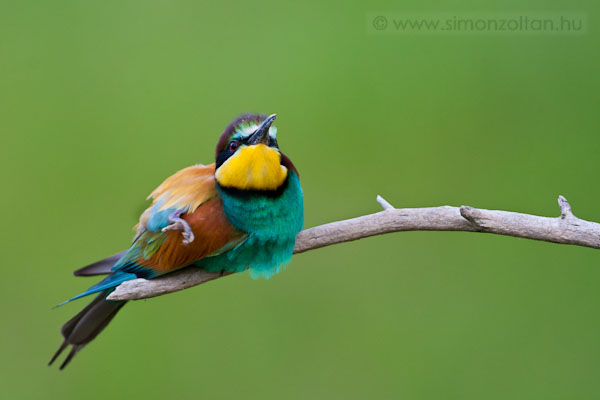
[190, 187]
[212, 232]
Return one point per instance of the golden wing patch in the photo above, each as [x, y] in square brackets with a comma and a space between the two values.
[186, 189]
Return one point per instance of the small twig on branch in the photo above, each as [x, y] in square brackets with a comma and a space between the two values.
[566, 229]
[384, 204]
[565, 207]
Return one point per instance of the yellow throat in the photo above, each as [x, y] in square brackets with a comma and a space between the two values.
[256, 167]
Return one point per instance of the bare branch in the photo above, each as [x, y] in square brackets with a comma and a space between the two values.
[566, 229]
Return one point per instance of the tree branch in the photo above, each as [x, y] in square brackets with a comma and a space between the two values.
[566, 229]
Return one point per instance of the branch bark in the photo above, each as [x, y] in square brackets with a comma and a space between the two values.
[566, 229]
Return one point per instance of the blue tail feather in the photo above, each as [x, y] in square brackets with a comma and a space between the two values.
[111, 281]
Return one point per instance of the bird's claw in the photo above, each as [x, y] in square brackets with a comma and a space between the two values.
[179, 224]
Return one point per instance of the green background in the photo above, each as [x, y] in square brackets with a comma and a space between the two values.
[102, 100]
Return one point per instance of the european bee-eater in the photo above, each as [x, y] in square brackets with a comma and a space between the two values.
[241, 212]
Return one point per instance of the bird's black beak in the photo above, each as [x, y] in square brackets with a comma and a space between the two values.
[261, 135]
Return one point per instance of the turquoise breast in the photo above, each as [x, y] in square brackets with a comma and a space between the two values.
[272, 223]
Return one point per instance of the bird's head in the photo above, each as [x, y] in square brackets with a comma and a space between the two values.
[248, 156]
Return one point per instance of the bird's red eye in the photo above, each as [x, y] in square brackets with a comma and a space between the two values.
[234, 145]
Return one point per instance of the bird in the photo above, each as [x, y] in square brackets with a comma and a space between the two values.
[241, 212]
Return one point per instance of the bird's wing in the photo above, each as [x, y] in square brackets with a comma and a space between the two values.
[157, 253]
[192, 194]
[183, 191]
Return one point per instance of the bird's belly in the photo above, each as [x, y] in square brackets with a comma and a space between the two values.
[272, 224]
[262, 258]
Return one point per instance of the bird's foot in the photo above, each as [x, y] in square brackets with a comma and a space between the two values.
[179, 224]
